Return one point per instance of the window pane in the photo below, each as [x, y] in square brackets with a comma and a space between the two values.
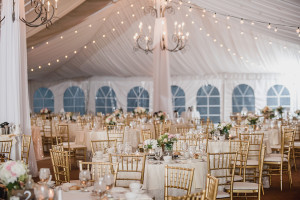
[43, 98]
[243, 96]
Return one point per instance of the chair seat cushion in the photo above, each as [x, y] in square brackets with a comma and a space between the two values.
[277, 146]
[276, 155]
[73, 145]
[274, 159]
[252, 162]
[222, 195]
[238, 178]
[243, 186]
[297, 144]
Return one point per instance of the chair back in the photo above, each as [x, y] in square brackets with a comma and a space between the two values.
[61, 167]
[26, 140]
[242, 149]
[179, 178]
[255, 144]
[47, 130]
[261, 167]
[103, 145]
[146, 134]
[5, 150]
[99, 169]
[222, 166]
[211, 188]
[131, 168]
[115, 132]
[183, 130]
[63, 135]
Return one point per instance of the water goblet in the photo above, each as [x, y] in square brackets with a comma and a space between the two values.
[109, 181]
[158, 153]
[44, 174]
[84, 177]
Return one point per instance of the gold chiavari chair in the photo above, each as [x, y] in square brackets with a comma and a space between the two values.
[279, 165]
[26, 139]
[115, 132]
[242, 149]
[58, 147]
[5, 150]
[191, 141]
[76, 151]
[178, 178]
[47, 137]
[289, 135]
[197, 123]
[61, 166]
[131, 168]
[183, 130]
[99, 169]
[158, 128]
[103, 145]
[146, 134]
[255, 146]
[222, 166]
[247, 189]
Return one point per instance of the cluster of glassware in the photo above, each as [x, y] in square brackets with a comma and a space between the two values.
[43, 189]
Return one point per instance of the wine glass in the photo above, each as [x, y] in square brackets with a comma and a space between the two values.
[192, 151]
[41, 191]
[185, 146]
[99, 186]
[158, 153]
[44, 174]
[120, 148]
[109, 181]
[84, 177]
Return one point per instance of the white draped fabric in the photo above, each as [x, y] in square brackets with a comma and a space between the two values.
[161, 69]
[14, 102]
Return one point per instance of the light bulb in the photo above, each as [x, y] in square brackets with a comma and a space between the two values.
[221, 45]
[40, 67]
[298, 30]
[104, 19]
[252, 23]
[61, 37]
[215, 40]
[216, 21]
[203, 15]
[275, 29]
[49, 64]
[269, 26]
[85, 47]
[204, 10]
[57, 60]
[32, 70]
[66, 56]
[32, 47]
[242, 21]
[242, 33]
[228, 17]
[214, 15]
[207, 34]
[228, 27]
[175, 23]
[190, 9]
[90, 25]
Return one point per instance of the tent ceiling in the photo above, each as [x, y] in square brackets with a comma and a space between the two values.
[106, 48]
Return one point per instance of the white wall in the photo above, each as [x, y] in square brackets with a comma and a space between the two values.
[225, 84]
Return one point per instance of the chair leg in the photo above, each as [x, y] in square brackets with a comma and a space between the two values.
[290, 175]
[295, 165]
[281, 176]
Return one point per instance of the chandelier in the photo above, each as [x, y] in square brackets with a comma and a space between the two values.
[44, 10]
[144, 41]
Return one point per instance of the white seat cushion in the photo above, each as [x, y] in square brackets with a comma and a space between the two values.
[243, 186]
[222, 195]
[277, 146]
[73, 145]
[274, 159]
[276, 155]
[238, 178]
[252, 162]
[297, 144]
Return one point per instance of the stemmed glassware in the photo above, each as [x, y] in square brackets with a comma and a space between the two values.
[44, 174]
[100, 186]
[84, 177]
[109, 181]
[158, 153]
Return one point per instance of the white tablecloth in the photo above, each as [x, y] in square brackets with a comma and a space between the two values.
[154, 176]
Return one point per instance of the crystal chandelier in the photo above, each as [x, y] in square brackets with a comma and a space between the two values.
[144, 41]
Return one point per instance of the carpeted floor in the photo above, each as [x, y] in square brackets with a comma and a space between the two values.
[272, 193]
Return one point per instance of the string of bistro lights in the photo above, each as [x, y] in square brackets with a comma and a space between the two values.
[180, 4]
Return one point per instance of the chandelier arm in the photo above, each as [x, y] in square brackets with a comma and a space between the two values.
[2, 19]
[140, 47]
[41, 15]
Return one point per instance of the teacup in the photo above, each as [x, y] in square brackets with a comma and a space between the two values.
[167, 159]
[135, 187]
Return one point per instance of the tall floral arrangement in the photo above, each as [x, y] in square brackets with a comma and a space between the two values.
[139, 111]
[268, 112]
[161, 115]
[45, 111]
[252, 119]
[297, 112]
[111, 120]
[280, 110]
[167, 140]
[118, 113]
[13, 174]
[224, 128]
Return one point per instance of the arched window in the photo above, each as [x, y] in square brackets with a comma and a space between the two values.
[137, 97]
[243, 96]
[43, 98]
[178, 98]
[278, 95]
[106, 100]
[74, 100]
[208, 103]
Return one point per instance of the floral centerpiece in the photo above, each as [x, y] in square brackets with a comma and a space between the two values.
[111, 120]
[252, 119]
[280, 110]
[268, 112]
[69, 115]
[224, 128]
[139, 111]
[45, 111]
[166, 141]
[297, 112]
[161, 115]
[118, 113]
[150, 144]
[13, 175]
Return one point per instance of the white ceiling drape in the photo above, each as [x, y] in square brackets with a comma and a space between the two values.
[104, 42]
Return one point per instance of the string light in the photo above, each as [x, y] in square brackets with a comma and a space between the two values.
[118, 12]
[190, 9]
[40, 67]
[242, 33]
[214, 15]
[113, 29]
[75, 52]
[228, 18]
[31, 69]
[32, 47]
[228, 27]
[122, 22]
[94, 41]
[131, 5]
[203, 15]
[298, 30]
[275, 29]
[57, 60]
[207, 34]
[270, 42]
[66, 56]
[103, 36]
[61, 37]
[47, 42]
[90, 25]
[49, 64]
[242, 21]
[215, 40]
[85, 46]
[252, 23]
[76, 31]
[132, 15]
[269, 26]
